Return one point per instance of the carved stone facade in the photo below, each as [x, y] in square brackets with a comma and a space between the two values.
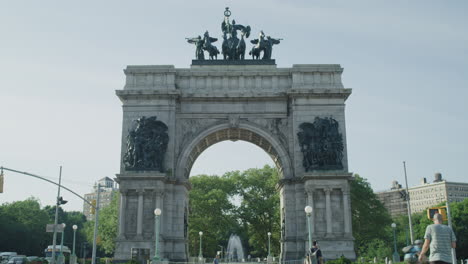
[261, 104]
[321, 144]
[146, 145]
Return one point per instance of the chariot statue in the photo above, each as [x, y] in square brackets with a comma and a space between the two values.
[233, 47]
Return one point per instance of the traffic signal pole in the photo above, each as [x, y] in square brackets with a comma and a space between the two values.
[47, 180]
[56, 209]
[408, 203]
[54, 239]
[96, 223]
[449, 218]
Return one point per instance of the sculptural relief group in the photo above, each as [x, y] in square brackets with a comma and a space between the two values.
[233, 47]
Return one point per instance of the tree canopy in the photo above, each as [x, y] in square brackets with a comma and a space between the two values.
[23, 226]
[107, 227]
[371, 220]
[242, 203]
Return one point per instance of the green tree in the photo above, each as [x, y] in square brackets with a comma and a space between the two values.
[259, 211]
[459, 213]
[69, 218]
[376, 248]
[371, 220]
[22, 227]
[212, 212]
[242, 203]
[107, 227]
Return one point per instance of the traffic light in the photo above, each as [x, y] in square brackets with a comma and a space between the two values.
[439, 210]
[60, 201]
[93, 207]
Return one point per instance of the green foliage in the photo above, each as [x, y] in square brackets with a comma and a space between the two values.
[259, 211]
[341, 260]
[243, 203]
[459, 213]
[371, 221]
[212, 212]
[69, 218]
[23, 226]
[107, 227]
[375, 248]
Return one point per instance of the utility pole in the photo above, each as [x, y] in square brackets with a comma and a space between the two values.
[449, 218]
[409, 205]
[96, 222]
[54, 239]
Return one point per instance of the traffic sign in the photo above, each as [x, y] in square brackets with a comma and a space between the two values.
[50, 228]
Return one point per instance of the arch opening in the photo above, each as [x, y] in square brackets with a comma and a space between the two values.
[233, 134]
[228, 156]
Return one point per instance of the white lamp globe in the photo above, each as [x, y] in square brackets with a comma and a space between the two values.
[393, 225]
[308, 209]
[75, 227]
[200, 233]
[157, 211]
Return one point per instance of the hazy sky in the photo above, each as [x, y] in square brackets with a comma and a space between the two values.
[61, 62]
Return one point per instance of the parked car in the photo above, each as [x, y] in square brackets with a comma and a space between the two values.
[19, 259]
[36, 260]
[5, 256]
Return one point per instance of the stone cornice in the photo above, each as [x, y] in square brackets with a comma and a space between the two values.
[145, 69]
[303, 79]
[167, 93]
[307, 68]
[315, 176]
[327, 175]
[132, 176]
[319, 92]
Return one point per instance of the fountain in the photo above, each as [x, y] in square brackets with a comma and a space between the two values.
[234, 251]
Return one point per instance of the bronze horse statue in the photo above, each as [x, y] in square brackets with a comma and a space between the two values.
[255, 52]
[212, 50]
[240, 49]
[264, 44]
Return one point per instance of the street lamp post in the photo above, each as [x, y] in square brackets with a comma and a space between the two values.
[83, 251]
[308, 211]
[269, 258]
[157, 213]
[222, 250]
[61, 258]
[269, 236]
[396, 256]
[73, 256]
[200, 255]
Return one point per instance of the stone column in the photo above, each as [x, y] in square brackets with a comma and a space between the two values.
[329, 210]
[347, 213]
[123, 207]
[140, 213]
[310, 201]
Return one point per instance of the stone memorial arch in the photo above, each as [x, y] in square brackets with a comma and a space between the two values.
[171, 115]
[297, 115]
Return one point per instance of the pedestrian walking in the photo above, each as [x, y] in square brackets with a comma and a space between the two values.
[440, 239]
[315, 254]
